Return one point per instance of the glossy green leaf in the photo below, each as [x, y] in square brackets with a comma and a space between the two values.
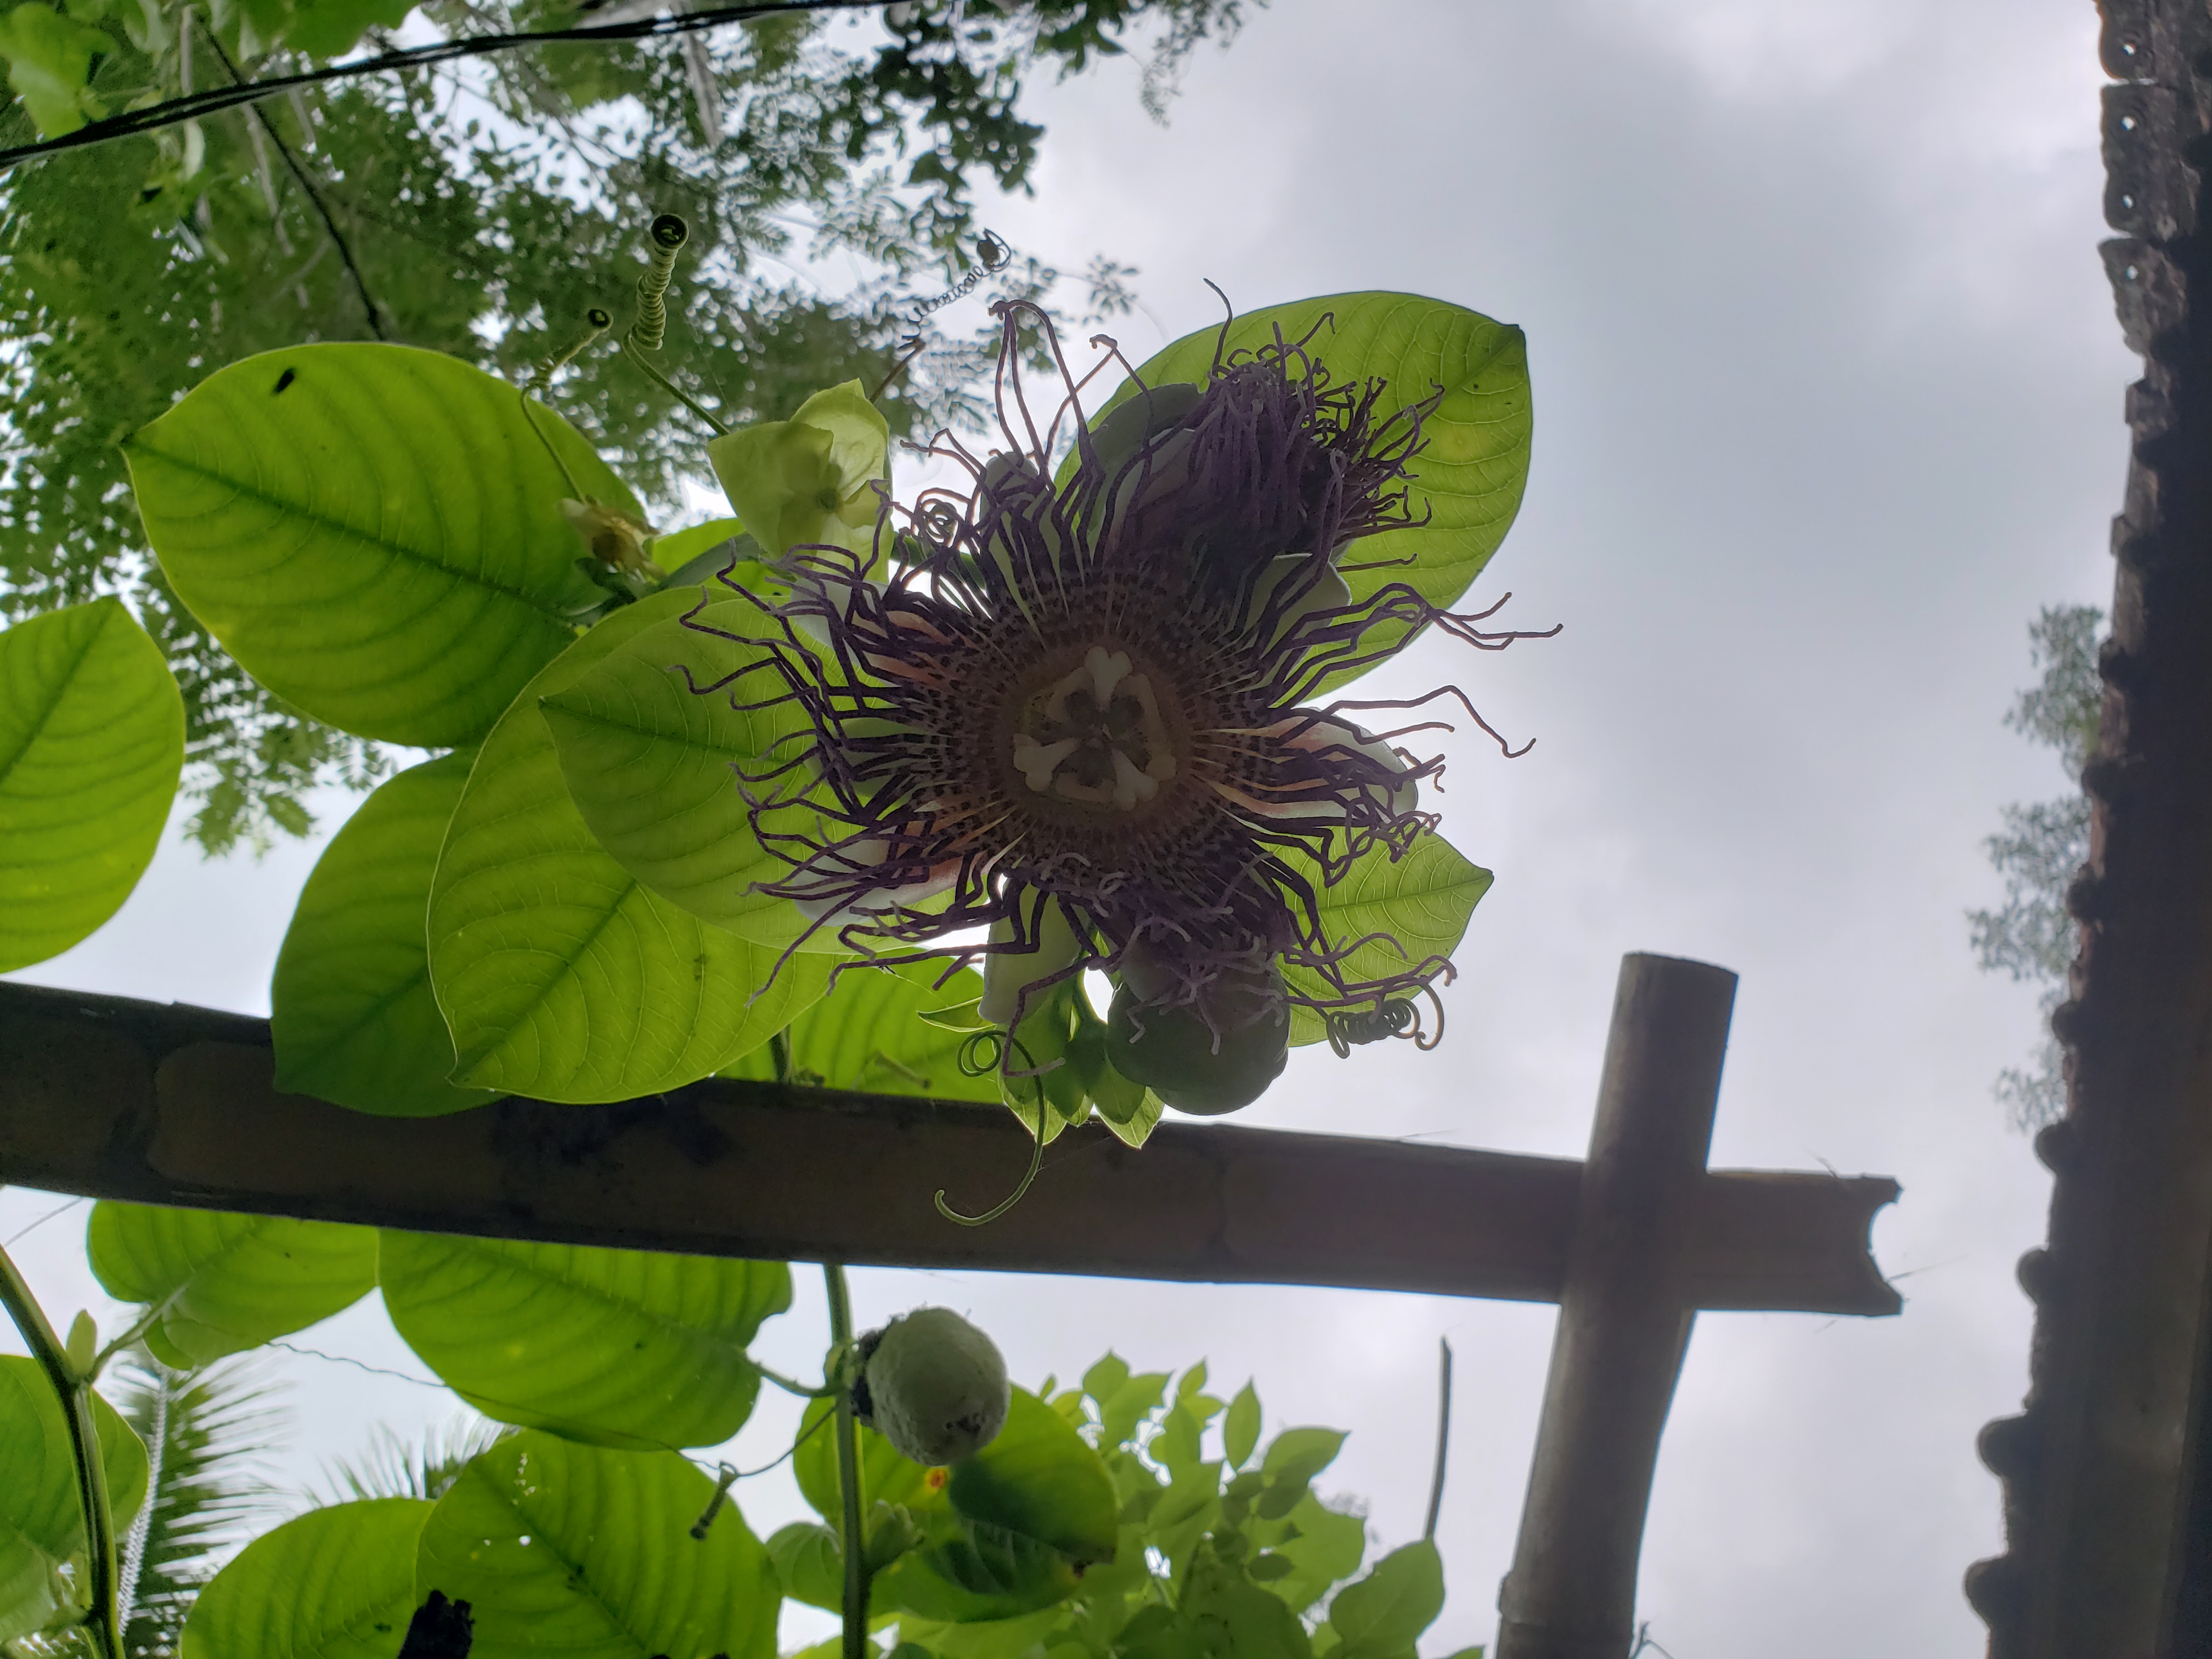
[647, 760]
[352, 1014]
[1007, 1533]
[329, 28]
[43, 1562]
[1382, 1615]
[1012, 1528]
[886, 1476]
[49, 65]
[695, 555]
[1297, 1455]
[966, 1571]
[92, 737]
[224, 1283]
[1470, 476]
[631, 1348]
[375, 531]
[587, 1553]
[1322, 1546]
[558, 974]
[810, 1561]
[333, 1583]
[1422, 902]
[1236, 1618]
[1240, 1430]
[868, 1034]
[1041, 1478]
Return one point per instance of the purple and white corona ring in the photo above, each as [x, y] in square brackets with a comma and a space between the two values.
[1072, 723]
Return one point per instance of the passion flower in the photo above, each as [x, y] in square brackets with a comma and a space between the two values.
[1061, 723]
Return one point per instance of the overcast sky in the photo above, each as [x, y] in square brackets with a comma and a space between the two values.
[1828, 397]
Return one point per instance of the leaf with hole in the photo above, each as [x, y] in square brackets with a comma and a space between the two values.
[559, 976]
[373, 532]
[630, 1348]
[352, 1015]
[43, 1560]
[92, 739]
[333, 1583]
[588, 1554]
[223, 1283]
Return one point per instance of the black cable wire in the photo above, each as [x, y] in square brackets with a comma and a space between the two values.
[172, 111]
[299, 176]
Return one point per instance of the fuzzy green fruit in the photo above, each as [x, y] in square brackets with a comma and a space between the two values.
[1175, 1051]
[932, 1385]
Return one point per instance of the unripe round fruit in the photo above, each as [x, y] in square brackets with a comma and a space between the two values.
[1171, 1049]
[934, 1386]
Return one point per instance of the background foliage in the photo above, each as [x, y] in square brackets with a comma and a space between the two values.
[480, 209]
[2043, 843]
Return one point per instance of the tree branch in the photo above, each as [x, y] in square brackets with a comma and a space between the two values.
[300, 173]
[172, 111]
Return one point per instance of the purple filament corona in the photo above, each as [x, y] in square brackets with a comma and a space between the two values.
[1097, 692]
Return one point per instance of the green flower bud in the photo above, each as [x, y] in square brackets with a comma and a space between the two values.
[1125, 429]
[811, 479]
[932, 1385]
[1197, 1064]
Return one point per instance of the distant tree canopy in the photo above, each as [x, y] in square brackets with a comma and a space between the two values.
[2043, 844]
[480, 208]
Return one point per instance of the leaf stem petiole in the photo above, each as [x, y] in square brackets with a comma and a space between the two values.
[75, 1393]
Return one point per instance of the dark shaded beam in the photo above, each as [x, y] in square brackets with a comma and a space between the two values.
[169, 1104]
[2108, 1469]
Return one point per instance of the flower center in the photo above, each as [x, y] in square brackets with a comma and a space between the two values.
[1095, 736]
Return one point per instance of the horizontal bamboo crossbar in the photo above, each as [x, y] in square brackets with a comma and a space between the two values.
[170, 1104]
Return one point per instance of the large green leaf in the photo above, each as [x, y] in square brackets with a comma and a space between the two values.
[352, 1014]
[559, 976]
[1381, 1616]
[223, 1282]
[887, 1476]
[1010, 1529]
[648, 760]
[1234, 1617]
[49, 65]
[375, 531]
[1422, 902]
[868, 1034]
[43, 1562]
[333, 1583]
[1040, 1478]
[92, 736]
[1469, 476]
[587, 1553]
[633, 1348]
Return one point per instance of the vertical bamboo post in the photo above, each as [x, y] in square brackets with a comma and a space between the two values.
[1624, 1318]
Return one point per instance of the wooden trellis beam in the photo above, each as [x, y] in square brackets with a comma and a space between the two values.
[169, 1104]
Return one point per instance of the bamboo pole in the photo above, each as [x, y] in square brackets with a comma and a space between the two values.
[1624, 1317]
[162, 1104]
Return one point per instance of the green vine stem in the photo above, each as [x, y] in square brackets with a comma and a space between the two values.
[74, 1394]
[849, 1465]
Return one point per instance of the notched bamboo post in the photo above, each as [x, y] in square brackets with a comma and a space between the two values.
[1624, 1317]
